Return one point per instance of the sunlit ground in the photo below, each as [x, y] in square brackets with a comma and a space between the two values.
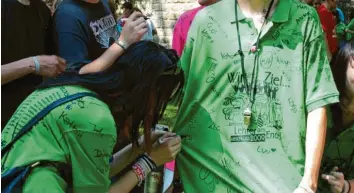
[169, 116]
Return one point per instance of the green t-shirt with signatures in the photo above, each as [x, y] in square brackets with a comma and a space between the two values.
[293, 77]
[80, 133]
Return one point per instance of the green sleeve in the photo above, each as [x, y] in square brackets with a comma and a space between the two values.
[320, 87]
[350, 26]
[340, 29]
[89, 143]
[185, 60]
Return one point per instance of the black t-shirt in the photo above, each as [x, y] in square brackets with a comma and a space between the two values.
[24, 34]
[83, 31]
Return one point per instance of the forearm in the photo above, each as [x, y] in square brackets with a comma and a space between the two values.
[123, 158]
[106, 60]
[125, 184]
[315, 141]
[15, 70]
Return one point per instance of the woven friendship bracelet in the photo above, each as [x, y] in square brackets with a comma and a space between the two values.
[137, 169]
[142, 167]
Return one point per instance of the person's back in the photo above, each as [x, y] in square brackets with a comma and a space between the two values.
[24, 34]
[70, 134]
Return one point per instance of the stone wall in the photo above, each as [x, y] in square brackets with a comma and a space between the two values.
[164, 14]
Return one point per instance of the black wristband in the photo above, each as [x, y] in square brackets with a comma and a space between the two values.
[150, 160]
[147, 161]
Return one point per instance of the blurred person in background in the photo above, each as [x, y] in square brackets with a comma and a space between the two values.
[339, 31]
[26, 48]
[183, 23]
[350, 28]
[328, 25]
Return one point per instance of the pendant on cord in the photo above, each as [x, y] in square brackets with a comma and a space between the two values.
[247, 115]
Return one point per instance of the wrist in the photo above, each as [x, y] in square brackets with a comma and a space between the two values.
[31, 65]
[122, 39]
[309, 183]
[345, 187]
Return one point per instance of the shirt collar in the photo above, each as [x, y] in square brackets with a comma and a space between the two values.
[281, 13]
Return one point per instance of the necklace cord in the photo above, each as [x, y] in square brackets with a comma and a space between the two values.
[251, 92]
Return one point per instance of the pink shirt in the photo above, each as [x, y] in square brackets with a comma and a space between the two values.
[180, 33]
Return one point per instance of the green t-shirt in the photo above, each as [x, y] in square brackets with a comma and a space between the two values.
[80, 133]
[350, 26]
[219, 154]
[340, 31]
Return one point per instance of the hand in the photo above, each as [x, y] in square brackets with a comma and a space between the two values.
[335, 179]
[155, 135]
[134, 29]
[51, 66]
[167, 150]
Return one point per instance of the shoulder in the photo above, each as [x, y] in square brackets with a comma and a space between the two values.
[203, 15]
[42, 6]
[68, 8]
[305, 20]
[187, 16]
[301, 12]
[85, 114]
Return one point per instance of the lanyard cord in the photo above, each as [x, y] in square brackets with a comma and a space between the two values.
[253, 82]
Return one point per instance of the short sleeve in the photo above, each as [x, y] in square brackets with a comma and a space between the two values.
[90, 136]
[178, 40]
[320, 87]
[71, 37]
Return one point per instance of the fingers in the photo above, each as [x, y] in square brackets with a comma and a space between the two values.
[335, 168]
[337, 175]
[334, 183]
[59, 65]
[140, 25]
[134, 16]
[173, 141]
[328, 177]
[61, 60]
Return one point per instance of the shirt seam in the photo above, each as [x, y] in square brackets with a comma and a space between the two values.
[322, 98]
